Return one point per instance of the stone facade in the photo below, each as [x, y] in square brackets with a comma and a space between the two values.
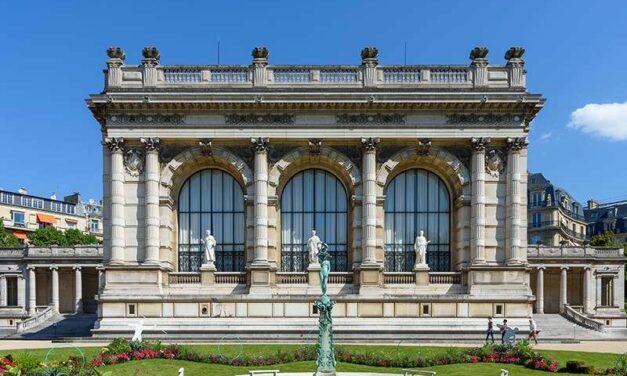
[362, 128]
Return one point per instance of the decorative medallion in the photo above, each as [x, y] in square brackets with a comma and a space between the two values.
[255, 119]
[146, 119]
[134, 162]
[482, 119]
[494, 162]
[370, 119]
[424, 147]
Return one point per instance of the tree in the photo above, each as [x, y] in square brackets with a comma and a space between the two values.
[77, 237]
[605, 239]
[7, 239]
[47, 236]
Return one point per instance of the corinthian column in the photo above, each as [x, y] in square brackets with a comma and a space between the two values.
[151, 177]
[515, 254]
[369, 203]
[116, 253]
[261, 199]
[478, 199]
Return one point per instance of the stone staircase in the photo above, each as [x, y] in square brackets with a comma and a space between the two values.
[61, 325]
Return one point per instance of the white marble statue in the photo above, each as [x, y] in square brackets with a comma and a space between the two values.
[420, 247]
[209, 245]
[314, 244]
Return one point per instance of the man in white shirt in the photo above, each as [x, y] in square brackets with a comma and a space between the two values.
[533, 331]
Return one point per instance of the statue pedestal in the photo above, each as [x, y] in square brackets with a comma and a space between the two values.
[314, 274]
[207, 274]
[325, 361]
[422, 274]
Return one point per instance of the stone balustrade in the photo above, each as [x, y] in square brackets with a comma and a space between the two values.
[79, 251]
[230, 278]
[445, 278]
[573, 251]
[291, 278]
[184, 278]
[340, 278]
[369, 74]
[399, 278]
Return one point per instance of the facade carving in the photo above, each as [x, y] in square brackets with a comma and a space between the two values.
[134, 162]
[494, 162]
[259, 119]
[371, 119]
[155, 119]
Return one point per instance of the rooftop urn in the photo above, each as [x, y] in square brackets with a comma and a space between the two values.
[260, 53]
[370, 55]
[479, 53]
[116, 53]
[151, 53]
[514, 53]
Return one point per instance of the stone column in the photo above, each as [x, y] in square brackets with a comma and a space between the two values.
[563, 288]
[617, 300]
[370, 268]
[516, 66]
[151, 177]
[116, 225]
[32, 290]
[478, 199]
[55, 287]
[587, 299]
[3, 290]
[479, 66]
[114, 66]
[599, 299]
[106, 201]
[21, 292]
[78, 289]
[260, 266]
[540, 290]
[515, 255]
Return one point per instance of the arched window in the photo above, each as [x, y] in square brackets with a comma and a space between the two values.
[313, 200]
[416, 200]
[211, 200]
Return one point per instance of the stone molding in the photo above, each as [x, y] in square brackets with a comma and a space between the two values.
[364, 119]
[258, 119]
[124, 119]
[456, 172]
[485, 119]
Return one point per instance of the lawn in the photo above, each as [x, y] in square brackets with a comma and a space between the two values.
[170, 367]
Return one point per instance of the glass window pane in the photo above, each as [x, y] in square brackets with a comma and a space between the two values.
[217, 188]
[205, 190]
[194, 193]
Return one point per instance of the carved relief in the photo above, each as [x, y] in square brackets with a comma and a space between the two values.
[256, 119]
[370, 119]
[260, 144]
[146, 119]
[487, 119]
[314, 146]
[134, 162]
[370, 143]
[151, 143]
[516, 144]
[479, 143]
[424, 147]
[205, 146]
[494, 162]
[114, 143]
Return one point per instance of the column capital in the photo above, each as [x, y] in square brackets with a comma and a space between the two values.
[114, 143]
[54, 267]
[587, 267]
[541, 267]
[30, 267]
[150, 143]
[516, 144]
[2, 276]
[370, 144]
[260, 144]
[77, 267]
[563, 267]
[479, 143]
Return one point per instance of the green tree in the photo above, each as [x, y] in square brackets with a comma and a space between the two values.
[605, 239]
[7, 239]
[77, 237]
[47, 236]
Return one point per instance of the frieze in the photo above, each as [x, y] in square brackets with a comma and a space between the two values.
[482, 119]
[146, 119]
[370, 119]
[255, 119]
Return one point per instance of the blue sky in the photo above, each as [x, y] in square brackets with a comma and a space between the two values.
[54, 53]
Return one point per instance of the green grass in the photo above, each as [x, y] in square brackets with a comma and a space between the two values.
[170, 367]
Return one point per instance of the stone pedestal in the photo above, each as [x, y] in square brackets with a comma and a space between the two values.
[370, 275]
[422, 274]
[314, 274]
[260, 278]
[207, 274]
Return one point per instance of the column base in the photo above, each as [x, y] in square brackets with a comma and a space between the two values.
[370, 278]
[422, 275]
[261, 278]
[207, 274]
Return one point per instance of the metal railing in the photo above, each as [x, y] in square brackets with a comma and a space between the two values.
[445, 278]
[542, 224]
[230, 278]
[184, 278]
[291, 278]
[571, 233]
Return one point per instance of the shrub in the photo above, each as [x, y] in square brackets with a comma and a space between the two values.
[27, 362]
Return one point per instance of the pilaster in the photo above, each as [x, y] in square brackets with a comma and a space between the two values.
[3, 290]
[478, 200]
[114, 66]
[515, 253]
[370, 268]
[369, 62]
[117, 240]
[516, 65]
[151, 177]
[21, 292]
[149, 63]
[260, 62]
[479, 66]
[260, 278]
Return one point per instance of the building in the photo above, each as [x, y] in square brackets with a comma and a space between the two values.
[554, 216]
[368, 155]
[22, 213]
[91, 210]
[611, 216]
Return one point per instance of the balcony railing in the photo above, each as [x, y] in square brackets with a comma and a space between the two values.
[570, 251]
[230, 278]
[184, 278]
[340, 278]
[399, 278]
[574, 234]
[291, 278]
[542, 224]
[445, 278]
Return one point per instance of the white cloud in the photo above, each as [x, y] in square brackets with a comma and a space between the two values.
[546, 136]
[607, 120]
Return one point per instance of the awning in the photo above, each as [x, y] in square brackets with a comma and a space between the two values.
[20, 235]
[45, 218]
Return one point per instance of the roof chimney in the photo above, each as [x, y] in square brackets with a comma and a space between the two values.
[53, 196]
[593, 204]
[23, 191]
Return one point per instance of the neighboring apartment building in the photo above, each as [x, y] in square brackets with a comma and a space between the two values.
[611, 216]
[554, 216]
[91, 210]
[22, 213]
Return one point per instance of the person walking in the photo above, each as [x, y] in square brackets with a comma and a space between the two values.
[503, 328]
[533, 331]
[490, 332]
